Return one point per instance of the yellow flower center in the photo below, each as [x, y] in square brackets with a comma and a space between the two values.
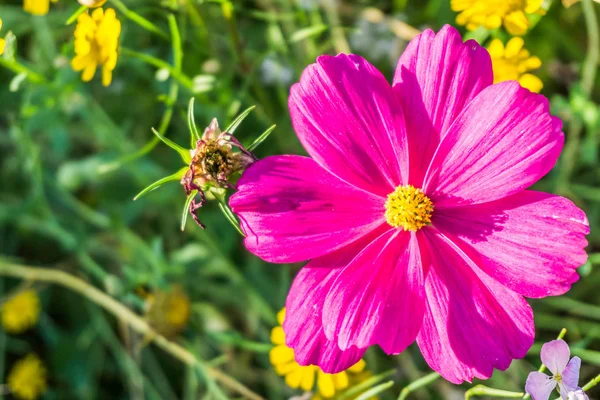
[408, 207]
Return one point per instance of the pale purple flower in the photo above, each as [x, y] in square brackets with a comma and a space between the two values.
[565, 374]
[578, 394]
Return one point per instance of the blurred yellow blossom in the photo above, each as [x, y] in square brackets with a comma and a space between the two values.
[21, 311]
[513, 62]
[2, 41]
[307, 377]
[37, 7]
[92, 3]
[96, 43]
[168, 311]
[494, 13]
[27, 380]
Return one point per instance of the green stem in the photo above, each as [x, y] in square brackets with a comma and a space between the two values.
[591, 383]
[587, 83]
[574, 307]
[238, 48]
[481, 390]
[419, 383]
[340, 43]
[19, 68]
[138, 19]
[124, 314]
[165, 121]
[157, 62]
[374, 391]
[589, 70]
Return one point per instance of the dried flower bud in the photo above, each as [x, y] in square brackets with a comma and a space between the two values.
[92, 3]
[213, 163]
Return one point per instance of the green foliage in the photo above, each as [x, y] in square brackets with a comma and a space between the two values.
[74, 155]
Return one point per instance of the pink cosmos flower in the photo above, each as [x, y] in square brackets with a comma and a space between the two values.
[565, 374]
[413, 212]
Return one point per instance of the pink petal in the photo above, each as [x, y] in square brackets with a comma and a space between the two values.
[504, 141]
[303, 322]
[378, 297]
[531, 242]
[436, 77]
[472, 323]
[292, 210]
[349, 120]
[539, 385]
[570, 375]
[555, 355]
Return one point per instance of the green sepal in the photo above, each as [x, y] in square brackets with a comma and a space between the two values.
[177, 176]
[263, 136]
[194, 135]
[236, 122]
[184, 153]
[186, 208]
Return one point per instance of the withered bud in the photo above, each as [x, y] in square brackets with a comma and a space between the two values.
[213, 163]
[92, 3]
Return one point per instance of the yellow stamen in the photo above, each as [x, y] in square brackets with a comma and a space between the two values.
[409, 208]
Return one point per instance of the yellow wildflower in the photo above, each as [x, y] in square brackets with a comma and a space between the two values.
[307, 377]
[2, 41]
[37, 7]
[21, 312]
[513, 62]
[168, 311]
[96, 43]
[92, 3]
[494, 13]
[27, 380]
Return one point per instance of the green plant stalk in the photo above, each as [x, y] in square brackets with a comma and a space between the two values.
[418, 384]
[238, 48]
[591, 383]
[481, 390]
[165, 120]
[124, 314]
[588, 73]
[574, 307]
[340, 44]
[157, 62]
[357, 389]
[19, 68]
[374, 391]
[139, 20]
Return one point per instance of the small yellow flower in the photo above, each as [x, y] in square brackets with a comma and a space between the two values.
[37, 7]
[2, 41]
[96, 43]
[494, 13]
[168, 311]
[27, 380]
[21, 312]
[513, 62]
[307, 377]
[92, 3]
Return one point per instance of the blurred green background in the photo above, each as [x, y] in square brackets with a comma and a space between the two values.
[72, 159]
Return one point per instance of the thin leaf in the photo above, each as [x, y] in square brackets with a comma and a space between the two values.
[175, 177]
[195, 136]
[261, 138]
[375, 390]
[75, 15]
[185, 154]
[236, 122]
[186, 208]
[306, 33]
[230, 217]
